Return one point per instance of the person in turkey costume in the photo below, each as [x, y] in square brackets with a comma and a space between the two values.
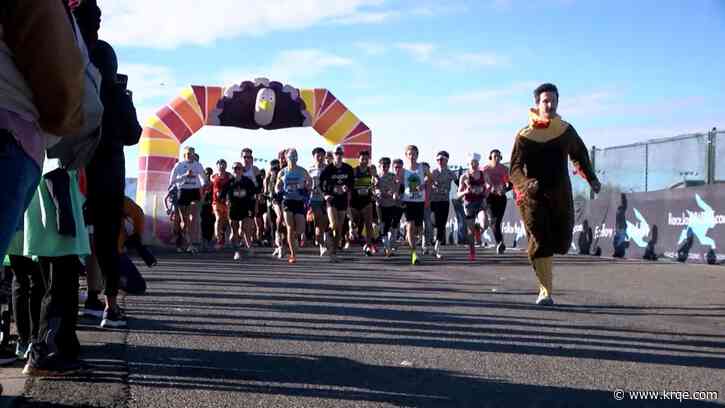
[539, 173]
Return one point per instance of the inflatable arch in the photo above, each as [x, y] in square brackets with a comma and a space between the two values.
[250, 105]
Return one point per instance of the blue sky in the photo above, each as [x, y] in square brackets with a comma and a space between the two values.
[454, 75]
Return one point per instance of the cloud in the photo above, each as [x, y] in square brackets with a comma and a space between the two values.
[168, 24]
[420, 51]
[289, 66]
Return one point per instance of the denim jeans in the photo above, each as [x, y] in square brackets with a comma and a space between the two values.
[21, 176]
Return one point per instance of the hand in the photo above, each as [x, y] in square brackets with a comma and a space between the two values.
[596, 186]
[328, 198]
[532, 186]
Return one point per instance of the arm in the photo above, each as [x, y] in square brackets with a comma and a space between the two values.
[280, 181]
[40, 34]
[579, 156]
[462, 186]
[518, 159]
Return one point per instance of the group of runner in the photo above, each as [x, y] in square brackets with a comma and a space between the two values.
[364, 203]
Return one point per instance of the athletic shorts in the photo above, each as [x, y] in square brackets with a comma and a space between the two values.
[414, 212]
[296, 207]
[241, 211]
[221, 210]
[317, 206]
[188, 196]
[339, 203]
[473, 208]
[359, 203]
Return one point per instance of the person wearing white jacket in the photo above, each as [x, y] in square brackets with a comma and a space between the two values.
[188, 176]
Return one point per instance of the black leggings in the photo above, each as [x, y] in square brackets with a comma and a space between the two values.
[390, 218]
[496, 209]
[28, 292]
[440, 213]
[59, 308]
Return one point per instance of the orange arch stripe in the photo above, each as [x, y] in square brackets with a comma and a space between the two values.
[188, 114]
[325, 122]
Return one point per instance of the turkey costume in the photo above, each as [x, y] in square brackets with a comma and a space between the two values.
[540, 153]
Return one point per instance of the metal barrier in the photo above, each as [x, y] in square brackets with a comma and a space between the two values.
[660, 164]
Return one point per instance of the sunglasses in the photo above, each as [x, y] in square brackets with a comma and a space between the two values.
[441, 158]
[247, 157]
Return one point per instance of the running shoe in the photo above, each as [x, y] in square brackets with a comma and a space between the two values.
[113, 318]
[545, 301]
[437, 250]
[500, 248]
[22, 350]
[472, 254]
[237, 255]
[413, 257]
[192, 249]
[292, 259]
[367, 251]
[374, 248]
[323, 250]
[92, 307]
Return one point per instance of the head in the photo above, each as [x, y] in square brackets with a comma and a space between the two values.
[274, 166]
[189, 153]
[364, 158]
[495, 156]
[425, 166]
[196, 157]
[474, 159]
[247, 157]
[292, 156]
[411, 153]
[384, 164]
[208, 171]
[339, 154]
[238, 169]
[442, 159]
[282, 157]
[329, 157]
[398, 166]
[88, 17]
[318, 154]
[546, 97]
[221, 166]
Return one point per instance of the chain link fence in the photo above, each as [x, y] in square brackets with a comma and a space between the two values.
[680, 161]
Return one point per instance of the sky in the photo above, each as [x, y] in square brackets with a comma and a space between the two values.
[444, 75]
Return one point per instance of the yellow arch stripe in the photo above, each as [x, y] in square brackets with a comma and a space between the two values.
[156, 123]
[158, 147]
[189, 96]
[337, 132]
[308, 95]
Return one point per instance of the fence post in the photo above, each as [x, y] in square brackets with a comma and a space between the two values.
[646, 167]
[710, 157]
[594, 168]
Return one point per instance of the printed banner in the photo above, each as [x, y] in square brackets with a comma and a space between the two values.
[673, 214]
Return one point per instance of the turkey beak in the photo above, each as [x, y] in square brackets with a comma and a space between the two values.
[264, 105]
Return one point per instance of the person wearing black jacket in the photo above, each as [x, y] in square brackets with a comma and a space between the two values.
[106, 172]
[241, 192]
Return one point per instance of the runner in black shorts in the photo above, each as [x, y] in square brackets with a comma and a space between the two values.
[337, 181]
[294, 183]
[415, 182]
[241, 192]
[361, 202]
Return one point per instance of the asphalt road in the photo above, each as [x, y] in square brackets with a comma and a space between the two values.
[376, 332]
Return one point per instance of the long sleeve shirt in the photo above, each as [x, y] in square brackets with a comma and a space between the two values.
[181, 179]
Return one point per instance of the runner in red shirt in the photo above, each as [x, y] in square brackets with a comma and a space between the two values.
[219, 181]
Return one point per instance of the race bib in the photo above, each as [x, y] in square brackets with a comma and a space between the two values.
[339, 190]
[293, 186]
[239, 193]
[363, 191]
[476, 189]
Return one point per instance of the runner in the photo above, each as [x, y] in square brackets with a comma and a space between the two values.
[188, 176]
[361, 203]
[540, 176]
[440, 203]
[294, 183]
[252, 172]
[219, 181]
[337, 182]
[280, 236]
[317, 201]
[427, 233]
[388, 196]
[272, 199]
[472, 187]
[497, 185]
[240, 192]
[415, 181]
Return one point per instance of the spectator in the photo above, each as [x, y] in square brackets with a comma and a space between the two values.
[106, 173]
[41, 87]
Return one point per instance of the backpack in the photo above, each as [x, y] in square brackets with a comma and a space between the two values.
[75, 151]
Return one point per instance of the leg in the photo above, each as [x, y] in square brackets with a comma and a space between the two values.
[195, 216]
[18, 189]
[367, 221]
